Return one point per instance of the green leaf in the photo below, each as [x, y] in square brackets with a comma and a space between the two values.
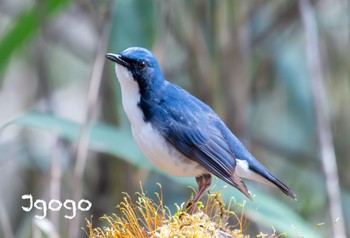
[25, 25]
[102, 138]
[268, 211]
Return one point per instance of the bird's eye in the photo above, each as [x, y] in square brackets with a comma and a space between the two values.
[141, 65]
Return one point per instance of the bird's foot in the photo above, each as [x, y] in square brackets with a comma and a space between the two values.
[203, 181]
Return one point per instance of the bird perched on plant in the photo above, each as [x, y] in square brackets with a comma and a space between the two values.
[179, 133]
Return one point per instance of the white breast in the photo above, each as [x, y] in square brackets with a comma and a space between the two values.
[148, 139]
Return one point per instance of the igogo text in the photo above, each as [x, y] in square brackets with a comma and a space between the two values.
[56, 205]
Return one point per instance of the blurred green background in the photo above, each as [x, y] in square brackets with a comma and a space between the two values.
[64, 134]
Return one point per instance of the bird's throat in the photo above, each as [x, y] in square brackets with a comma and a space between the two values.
[130, 95]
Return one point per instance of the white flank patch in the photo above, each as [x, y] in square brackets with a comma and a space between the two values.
[242, 169]
[149, 140]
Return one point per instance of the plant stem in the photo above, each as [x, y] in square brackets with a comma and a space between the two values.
[322, 117]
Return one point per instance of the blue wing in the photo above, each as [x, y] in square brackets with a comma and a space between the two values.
[197, 132]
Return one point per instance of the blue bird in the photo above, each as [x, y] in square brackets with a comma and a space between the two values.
[179, 133]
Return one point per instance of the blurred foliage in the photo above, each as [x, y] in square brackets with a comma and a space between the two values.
[25, 25]
[244, 58]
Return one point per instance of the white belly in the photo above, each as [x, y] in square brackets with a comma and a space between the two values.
[149, 140]
[162, 154]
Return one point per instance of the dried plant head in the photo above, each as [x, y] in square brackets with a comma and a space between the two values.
[143, 217]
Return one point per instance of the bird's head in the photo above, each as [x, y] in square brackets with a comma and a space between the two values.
[138, 65]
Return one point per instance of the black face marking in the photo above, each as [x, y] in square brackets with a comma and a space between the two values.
[144, 112]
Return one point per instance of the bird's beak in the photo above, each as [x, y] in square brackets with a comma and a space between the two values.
[117, 59]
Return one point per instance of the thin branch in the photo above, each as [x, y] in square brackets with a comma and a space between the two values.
[5, 223]
[56, 175]
[322, 117]
[192, 38]
[45, 91]
[82, 147]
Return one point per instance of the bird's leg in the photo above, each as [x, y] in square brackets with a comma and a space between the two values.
[203, 181]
